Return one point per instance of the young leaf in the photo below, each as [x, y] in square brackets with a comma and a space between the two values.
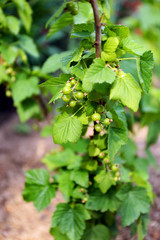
[56, 81]
[103, 202]
[57, 234]
[61, 159]
[53, 63]
[145, 66]
[97, 232]
[67, 128]
[65, 20]
[127, 90]
[66, 185]
[25, 13]
[134, 202]
[132, 47]
[28, 45]
[104, 180]
[97, 73]
[70, 220]
[13, 24]
[80, 177]
[27, 109]
[38, 188]
[116, 138]
[24, 87]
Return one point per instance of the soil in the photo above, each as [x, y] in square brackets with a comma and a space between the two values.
[19, 220]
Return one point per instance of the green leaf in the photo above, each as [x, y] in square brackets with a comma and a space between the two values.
[56, 233]
[145, 66]
[85, 13]
[141, 182]
[28, 45]
[57, 81]
[27, 109]
[13, 24]
[103, 202]
[90, 108]
[24, 88]
[9, 53]
[25, 13]
[93, 151]
[38, 188]
[98, 232]
[62, 22]
[66, 185]
[134, 202]
[76, 56]
[70, 220]
[97, 73]
[120, 30]
[142, 227]
[116, 138]
[3, 75]
[53, 63]
[56, 14]
[79, 147]
[61, 159]
[132, 47]
[104, 180]
[67, 128]
[80, 177]
[77, 70]
[127, 90]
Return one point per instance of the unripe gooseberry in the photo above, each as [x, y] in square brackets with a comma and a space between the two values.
[8, 93]
[115, 179]
[100, 109]
[72, 103]
[73, 81]
[101, 155]
[79, 95]
[96, 117]
[66, 90]
[114, 167]
[68, 84]
[98, 127]
[66, 98]
[106, 121]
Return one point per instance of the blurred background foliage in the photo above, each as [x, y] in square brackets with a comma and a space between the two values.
[28, 56]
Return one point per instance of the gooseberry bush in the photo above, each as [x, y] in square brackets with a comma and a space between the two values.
[97, 168]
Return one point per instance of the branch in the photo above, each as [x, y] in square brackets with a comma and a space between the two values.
[98, 27]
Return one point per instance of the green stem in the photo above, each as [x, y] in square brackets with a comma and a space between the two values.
[121, 59]
[77, 111]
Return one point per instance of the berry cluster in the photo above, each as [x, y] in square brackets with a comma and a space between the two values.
[96, 117]
[71, 92]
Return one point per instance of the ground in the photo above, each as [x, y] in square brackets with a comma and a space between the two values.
[19, 220]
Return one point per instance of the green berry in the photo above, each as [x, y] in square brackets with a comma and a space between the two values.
[117, 174]
[73, 81]
[100, 108]
[101, 155]
[105, 160]
[79, 95]
[106, 121]
[98, 127]
[66, 98]
[96, 117]
[68, 84]
[115, 179]
[72, 103]
[8, 93]
[114, 168]
[67, 90]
